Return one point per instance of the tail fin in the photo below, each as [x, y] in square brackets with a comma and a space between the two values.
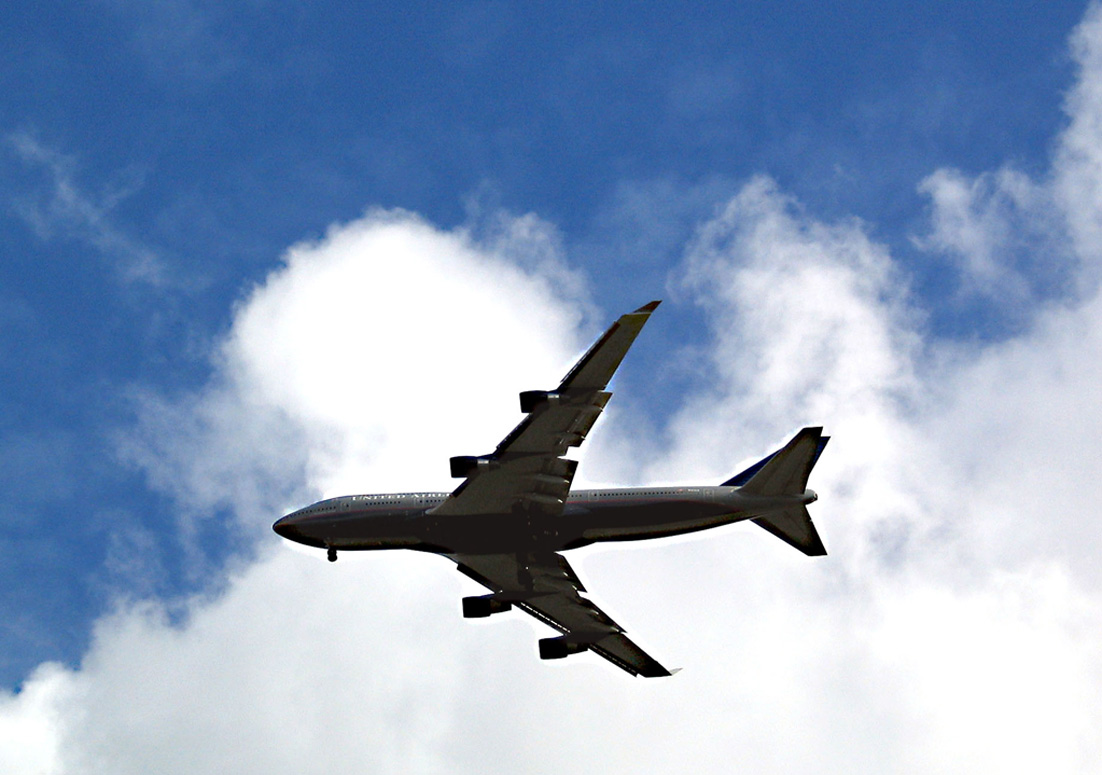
[785, 472]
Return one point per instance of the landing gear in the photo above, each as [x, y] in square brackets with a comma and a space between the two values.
[331, 554]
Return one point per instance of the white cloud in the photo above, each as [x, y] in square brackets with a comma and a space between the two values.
[962, 583]
[954, 628]
[1017, 240]
[1000, 229]
[1077, 170]
[354, 364]
[1028, 440]
[31, 724]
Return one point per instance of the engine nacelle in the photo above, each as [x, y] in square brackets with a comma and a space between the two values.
[468, 465]
[530, 399]
[483, 606]
[560, 647]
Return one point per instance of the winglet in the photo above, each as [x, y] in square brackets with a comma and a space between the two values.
[596, 367]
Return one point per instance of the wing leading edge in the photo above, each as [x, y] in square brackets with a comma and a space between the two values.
[544, 585]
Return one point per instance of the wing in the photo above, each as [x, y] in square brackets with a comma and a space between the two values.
[527, 472]
[544, 585]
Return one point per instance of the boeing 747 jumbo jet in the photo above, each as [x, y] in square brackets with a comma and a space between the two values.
[506, 525]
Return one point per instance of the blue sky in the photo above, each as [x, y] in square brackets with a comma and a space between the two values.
[881, 217]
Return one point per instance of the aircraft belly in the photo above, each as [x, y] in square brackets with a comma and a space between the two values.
[500, 533]
[365, 531]
[627, 523]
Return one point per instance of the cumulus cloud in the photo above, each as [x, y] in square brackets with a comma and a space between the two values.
[1078, 165]
[1000, 229]
[1018, 240]
[811, 326]
[953, 628]
[354, 363]
[945, 578]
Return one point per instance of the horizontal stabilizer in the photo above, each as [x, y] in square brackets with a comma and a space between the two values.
[794, 527]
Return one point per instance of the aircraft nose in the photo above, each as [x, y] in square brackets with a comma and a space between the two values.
[286, 526]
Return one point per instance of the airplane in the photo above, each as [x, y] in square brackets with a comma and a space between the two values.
[507, 524]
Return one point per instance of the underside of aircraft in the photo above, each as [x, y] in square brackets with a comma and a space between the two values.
[509, 521]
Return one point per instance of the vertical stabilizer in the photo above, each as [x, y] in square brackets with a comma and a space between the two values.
[785, 472]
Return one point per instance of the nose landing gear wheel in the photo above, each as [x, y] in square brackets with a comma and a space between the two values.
[331, 553]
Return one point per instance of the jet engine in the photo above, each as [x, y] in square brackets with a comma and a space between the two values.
[467, 465]
[483, 606]
[530, 399]
[560, 647]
